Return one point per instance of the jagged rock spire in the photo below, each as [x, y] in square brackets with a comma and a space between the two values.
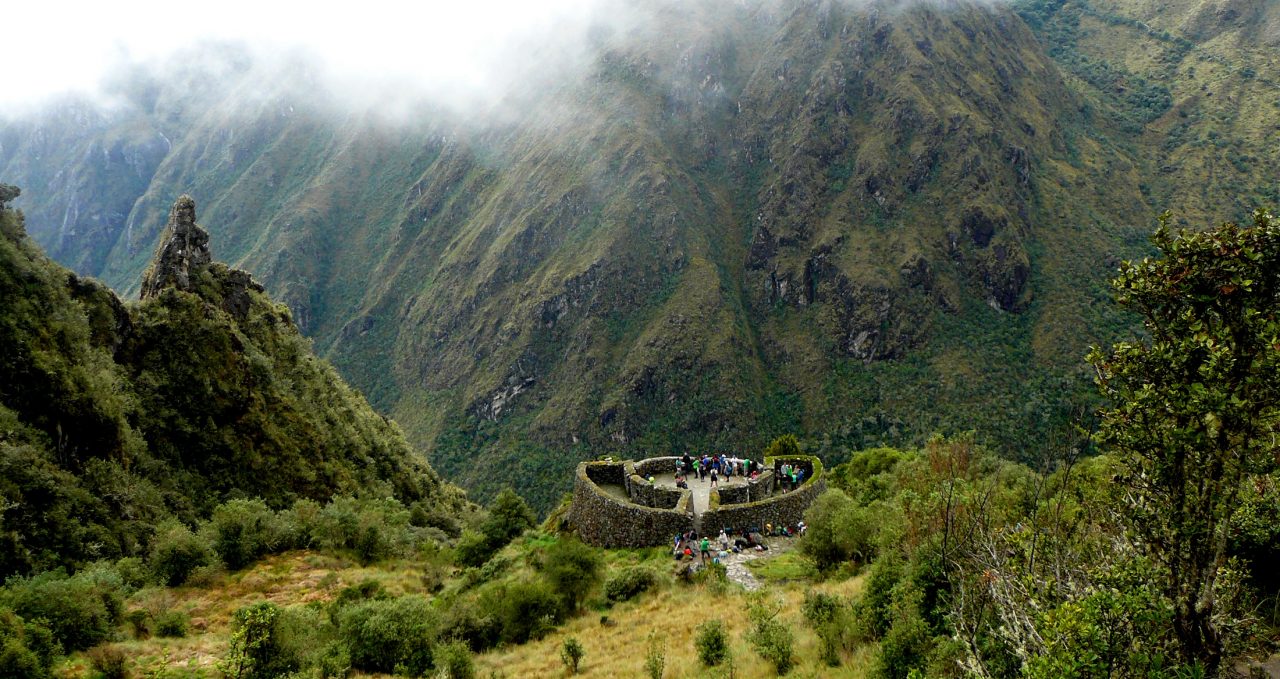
[183, 251]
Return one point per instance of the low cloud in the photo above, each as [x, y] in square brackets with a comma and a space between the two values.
[453, 52]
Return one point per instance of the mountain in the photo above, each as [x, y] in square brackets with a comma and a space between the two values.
[115, 415]
[859, 222]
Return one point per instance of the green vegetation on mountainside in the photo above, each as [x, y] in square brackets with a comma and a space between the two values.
[860, 225]
[115, 417]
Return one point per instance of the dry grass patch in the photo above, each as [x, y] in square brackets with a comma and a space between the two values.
[618, 649]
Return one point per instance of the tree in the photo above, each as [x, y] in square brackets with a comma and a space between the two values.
[786, 445]
[1196, 406]
[7, 193]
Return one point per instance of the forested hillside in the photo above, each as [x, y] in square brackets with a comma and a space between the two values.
[861, 222]
[116, 416]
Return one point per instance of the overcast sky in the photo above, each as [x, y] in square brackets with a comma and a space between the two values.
[53, 46]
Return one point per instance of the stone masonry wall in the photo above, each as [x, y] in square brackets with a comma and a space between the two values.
[762, 486]
[607, 521]
[603, 520]
[648, 495]
[733, 495]
[786, 510]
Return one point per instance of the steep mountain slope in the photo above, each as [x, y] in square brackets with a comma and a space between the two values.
[861, 222]
[114, 415]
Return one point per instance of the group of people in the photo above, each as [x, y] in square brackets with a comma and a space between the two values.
[713, 467]
[711, 550]
[790, 476]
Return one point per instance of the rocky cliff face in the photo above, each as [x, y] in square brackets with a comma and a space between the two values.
[862, 222]
[183, 251]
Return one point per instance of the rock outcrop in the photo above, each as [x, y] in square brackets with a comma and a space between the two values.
[184, 262]
[183, 252]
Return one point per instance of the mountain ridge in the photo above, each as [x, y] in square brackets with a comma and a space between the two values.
[860, 223]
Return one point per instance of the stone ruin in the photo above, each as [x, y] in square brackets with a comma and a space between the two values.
[639, 513]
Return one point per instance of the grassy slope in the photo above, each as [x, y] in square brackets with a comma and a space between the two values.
[672, 612]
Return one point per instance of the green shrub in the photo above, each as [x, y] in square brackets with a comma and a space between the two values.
[108, 662]
[334, 661]
[829, 616]
[509, 516]
[629, 583]
[875, 609]
[655, 657]
[370, 529]
[572, 653]
[172, 624]
[523, 610]
[774, 642]
[712, 643]
[473, 549]
[177, 552]
[385, 634]
[572, 569]
[27, 650]
[300, 526]
[305, 637]
[134, 573]
[465, 620]
[361, 591]
[905, 647]
[254, 651]
[838, 531]
[141, 624]
[243, 531]
[455, 661]
[786, 445]
[770, 637]
[714, 576]
[79, 611]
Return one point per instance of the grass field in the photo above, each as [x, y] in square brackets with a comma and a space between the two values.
[616, 639]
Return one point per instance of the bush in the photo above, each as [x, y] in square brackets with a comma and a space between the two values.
[838, 531]
[473, 549]
[771, 638]
[370, 529]
[243, 531]
[255, 652]
[572, 569]
[524, 610]
[27, 650]
[362, 591]
[774, 642]
[464, 621]
[629, 583]
[712, 643]
[305, 638]
[172, 624]
[141, 625]
[454, 660]
[509, 516]
[79, 611]
[177, 552]
[829, 617]
[134, 573]
[655, 658]
[109, 662]
[572, 653]
[385, 634]
[786, 445]
[299, 525]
